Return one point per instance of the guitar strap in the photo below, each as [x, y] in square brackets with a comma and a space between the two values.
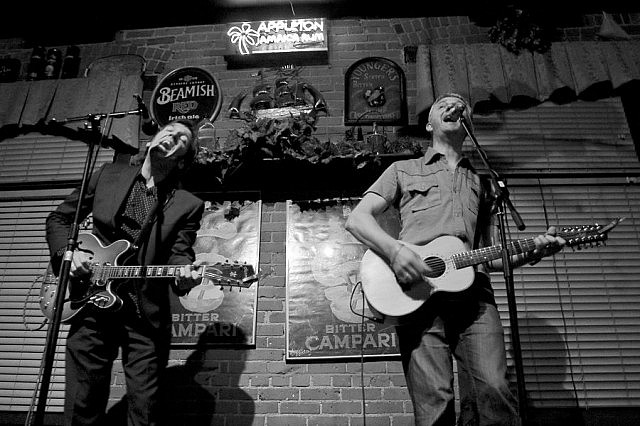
[482, 208]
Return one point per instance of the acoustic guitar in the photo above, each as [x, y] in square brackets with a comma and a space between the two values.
[451, 269]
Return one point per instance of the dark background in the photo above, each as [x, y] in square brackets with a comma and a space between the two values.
[75, 21]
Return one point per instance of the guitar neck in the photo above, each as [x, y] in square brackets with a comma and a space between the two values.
[486, 254]
[575, 236]
[115, 272]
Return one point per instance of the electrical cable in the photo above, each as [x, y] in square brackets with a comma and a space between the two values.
[26, 302]
[562, 312]
[362, 328]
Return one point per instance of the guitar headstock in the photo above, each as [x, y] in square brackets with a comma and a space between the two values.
[230, 274]
[593, 235]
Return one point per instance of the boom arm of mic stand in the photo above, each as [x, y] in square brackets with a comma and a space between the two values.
[503, 198]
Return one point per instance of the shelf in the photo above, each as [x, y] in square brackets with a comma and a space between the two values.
[290, 178]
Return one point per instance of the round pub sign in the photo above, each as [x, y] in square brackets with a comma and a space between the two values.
[186, 93]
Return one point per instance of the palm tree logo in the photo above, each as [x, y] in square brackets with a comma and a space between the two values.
[244, 36]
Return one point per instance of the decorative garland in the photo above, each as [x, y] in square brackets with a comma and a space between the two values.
[516, 31]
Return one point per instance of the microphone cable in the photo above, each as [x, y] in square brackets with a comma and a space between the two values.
[562, 312]
[362, 332]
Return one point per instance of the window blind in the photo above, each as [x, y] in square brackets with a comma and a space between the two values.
[41, 158]
[576, 138]
[24, 257]
[579, 312]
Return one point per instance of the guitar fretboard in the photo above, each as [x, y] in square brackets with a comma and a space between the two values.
[486, 254]
[106, 272]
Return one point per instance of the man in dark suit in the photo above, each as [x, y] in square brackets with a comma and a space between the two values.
[143, 204]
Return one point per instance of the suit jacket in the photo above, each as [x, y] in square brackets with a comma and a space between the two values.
[170, 238]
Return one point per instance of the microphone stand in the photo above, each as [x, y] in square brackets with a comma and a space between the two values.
[502, 199]
[53, 330]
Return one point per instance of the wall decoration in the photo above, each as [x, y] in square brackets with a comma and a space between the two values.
[271, 43]
[282, 96]
[324, 320]
[375, 93]
[229, 235]
[186, 93]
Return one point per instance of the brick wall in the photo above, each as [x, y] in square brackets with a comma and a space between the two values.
[256, 386]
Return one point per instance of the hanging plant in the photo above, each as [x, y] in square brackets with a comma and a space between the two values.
[516, 31]
[291, 138]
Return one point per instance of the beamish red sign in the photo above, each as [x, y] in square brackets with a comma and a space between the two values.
[186, 93]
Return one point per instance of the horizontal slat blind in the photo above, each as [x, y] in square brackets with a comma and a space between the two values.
[24, 256]
[42, 158]
[579, 312]
[578, 137]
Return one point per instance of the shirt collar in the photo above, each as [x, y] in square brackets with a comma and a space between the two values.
[431, 156]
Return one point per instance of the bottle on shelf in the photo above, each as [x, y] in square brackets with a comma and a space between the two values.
[35, 69]
[53, 63]
[71, 63]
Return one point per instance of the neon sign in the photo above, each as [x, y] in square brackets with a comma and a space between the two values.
[278, 36]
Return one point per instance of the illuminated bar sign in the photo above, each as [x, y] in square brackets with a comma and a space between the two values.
[277, 42]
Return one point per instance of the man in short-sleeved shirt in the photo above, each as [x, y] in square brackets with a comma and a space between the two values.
[440, 195]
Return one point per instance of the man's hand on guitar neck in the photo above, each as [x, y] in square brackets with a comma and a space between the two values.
[189, 277]
[547, 244]
[408, 266]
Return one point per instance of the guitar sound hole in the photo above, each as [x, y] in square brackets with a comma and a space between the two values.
[436, 265]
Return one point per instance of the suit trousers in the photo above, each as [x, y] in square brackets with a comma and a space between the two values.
[93, 343]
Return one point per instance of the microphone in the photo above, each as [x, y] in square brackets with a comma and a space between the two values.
[455, 114]
[149, 127]
[144, 112]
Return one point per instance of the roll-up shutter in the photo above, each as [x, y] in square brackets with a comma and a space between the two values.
[576, 138]
[579, 312]
[24, 258]
[42, 158]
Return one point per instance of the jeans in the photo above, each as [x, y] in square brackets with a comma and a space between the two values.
[471, 331]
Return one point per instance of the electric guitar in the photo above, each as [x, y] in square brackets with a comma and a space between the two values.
[99, 288]
[451, 269]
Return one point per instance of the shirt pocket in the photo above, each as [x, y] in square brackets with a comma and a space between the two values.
[423, 193]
